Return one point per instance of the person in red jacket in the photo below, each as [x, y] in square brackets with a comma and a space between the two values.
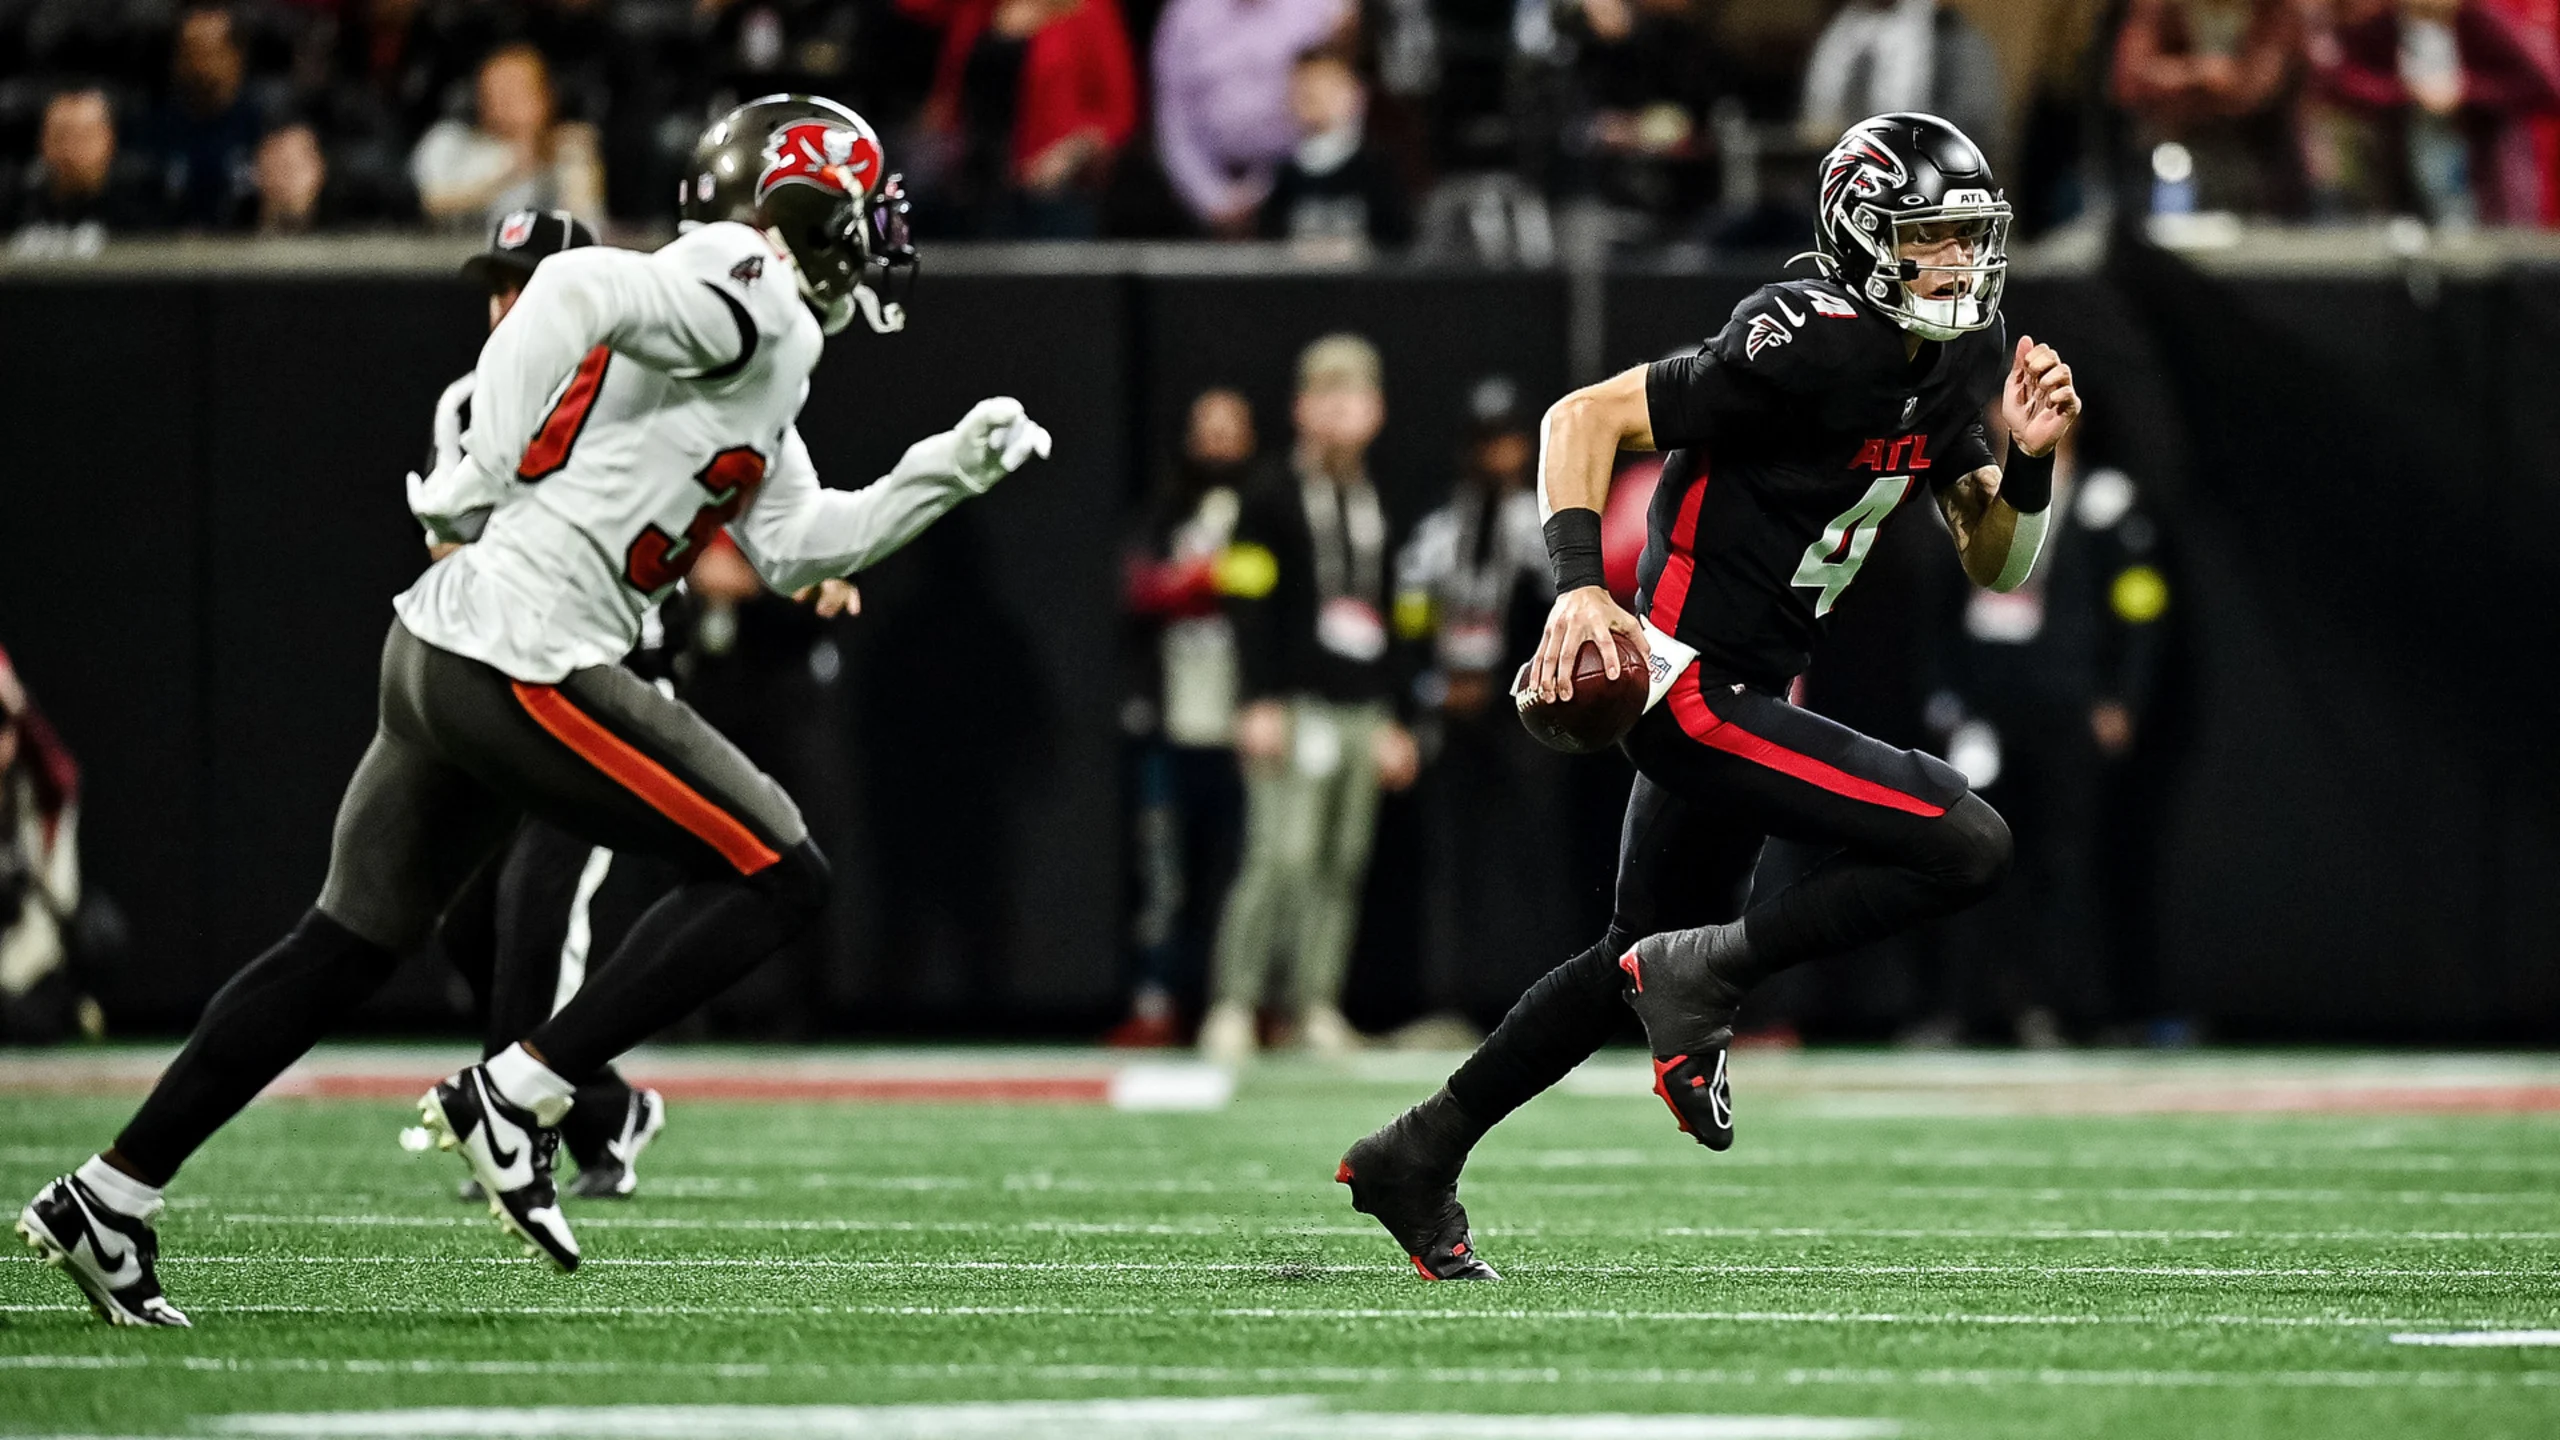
[2451, 91]
[1033, 99]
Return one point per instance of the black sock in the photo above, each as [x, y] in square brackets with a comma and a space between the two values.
[699, 939]
[1853, 899]
[595, 1118]
[267, 1017]
[1570, 1013]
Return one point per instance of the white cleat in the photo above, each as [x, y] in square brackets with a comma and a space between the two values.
[110, 1255]
[510, 1155]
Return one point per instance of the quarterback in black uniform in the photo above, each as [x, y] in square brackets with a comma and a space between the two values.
[1820, 408]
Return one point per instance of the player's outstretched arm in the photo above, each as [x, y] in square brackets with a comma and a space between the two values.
[1578, 445]
[1997, 514]
[798, 533]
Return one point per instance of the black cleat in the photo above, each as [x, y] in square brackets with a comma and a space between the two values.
[612, 1175]
[510, 1153]
[1687, 1009]
[1393, 1178]
[113, 1257]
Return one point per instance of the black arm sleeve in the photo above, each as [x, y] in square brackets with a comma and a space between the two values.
[1972, 452]
[1690, 399]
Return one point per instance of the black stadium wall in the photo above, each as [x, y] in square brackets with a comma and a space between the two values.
[2359, 837]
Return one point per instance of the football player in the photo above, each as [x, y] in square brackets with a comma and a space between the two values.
[1821, 407]
[529, 917]
[628, 408]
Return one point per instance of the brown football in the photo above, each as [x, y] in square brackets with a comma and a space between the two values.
[1601, 711]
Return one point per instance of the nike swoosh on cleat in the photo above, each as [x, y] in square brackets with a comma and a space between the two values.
[120, 1265]
[489, 1122]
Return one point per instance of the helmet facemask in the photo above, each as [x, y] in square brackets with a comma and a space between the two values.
[1966, 241]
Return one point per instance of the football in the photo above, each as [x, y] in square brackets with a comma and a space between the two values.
[1601, 711]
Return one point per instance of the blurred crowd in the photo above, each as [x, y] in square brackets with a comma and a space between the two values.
[1306, 663]
[1497, 130]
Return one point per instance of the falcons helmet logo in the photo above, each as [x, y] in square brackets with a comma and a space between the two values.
[814, 152]
[1860, 166]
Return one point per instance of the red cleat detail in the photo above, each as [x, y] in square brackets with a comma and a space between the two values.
[1422, 1270]
[1342, 1173]
[1458, 1249]
[1634, 968]
[1662, 1068]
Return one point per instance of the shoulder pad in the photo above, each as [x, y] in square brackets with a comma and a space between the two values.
[741, 262]
[1792, 333]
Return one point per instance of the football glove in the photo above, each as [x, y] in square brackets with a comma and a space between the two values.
[995, 439]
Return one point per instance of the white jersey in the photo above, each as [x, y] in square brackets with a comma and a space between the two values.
[628, 407]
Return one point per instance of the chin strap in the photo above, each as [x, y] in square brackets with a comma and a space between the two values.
[884, 318]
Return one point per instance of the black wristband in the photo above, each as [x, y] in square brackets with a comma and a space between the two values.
[1573, 548]
[2026, 482]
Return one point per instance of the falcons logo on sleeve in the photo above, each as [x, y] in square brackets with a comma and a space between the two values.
[1766, 331]
[814, 152]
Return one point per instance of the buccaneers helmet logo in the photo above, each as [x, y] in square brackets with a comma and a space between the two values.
[817, 152]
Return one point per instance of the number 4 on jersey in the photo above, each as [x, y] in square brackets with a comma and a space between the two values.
[1831, 562]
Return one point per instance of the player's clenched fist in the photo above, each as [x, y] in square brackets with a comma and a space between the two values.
[996, 439]
[2038, 404]
[1579, 615]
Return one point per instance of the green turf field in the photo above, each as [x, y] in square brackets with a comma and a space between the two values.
[1900, 1241]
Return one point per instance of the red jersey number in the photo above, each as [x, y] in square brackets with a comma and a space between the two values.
[657, 560]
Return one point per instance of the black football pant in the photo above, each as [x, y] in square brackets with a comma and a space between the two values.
[526, 931]
[460, 756]
[1720, 768]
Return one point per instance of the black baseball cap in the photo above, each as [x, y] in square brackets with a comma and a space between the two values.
[521, 240]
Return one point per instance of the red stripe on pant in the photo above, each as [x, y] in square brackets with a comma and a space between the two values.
[655, 784]
[1671, 588]
[1689, 706]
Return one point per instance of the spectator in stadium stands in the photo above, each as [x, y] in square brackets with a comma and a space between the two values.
[39, 869]
[1647, 74]
[1884, 55]
[291, 177]
[1181, 713]
[1033, 98]
[2536, 26]
[2218, 79]
[1474, 583]
[2057, 677]
[77, 192]
[1336, 190]
[2451, 92]
[1223, 124]
[1317, 736]
[518, 156]
[204, 138]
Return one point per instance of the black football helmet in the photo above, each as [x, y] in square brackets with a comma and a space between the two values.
[809, 172]
[1895, 179]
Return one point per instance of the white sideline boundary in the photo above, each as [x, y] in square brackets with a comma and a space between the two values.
[1809, 1376]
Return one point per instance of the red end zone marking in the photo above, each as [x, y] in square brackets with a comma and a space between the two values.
[882, 1089]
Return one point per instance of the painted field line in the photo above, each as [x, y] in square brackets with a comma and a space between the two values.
[1188, 1267]
[1297, 1314]
[1974, 1377]
[1212, 1226]
[2479, 1339]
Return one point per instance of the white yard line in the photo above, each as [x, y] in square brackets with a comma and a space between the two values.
[1185, 1267]
[1980, 1376]
[1297, 1314]
[2480, 1339]
[1208, 1226]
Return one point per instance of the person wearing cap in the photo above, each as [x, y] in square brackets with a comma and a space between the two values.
[1319, 673]
[528, 920]
[1473, 587]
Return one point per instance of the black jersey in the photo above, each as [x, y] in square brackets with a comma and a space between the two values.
[1793, 434]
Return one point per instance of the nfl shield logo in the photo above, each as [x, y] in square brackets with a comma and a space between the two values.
[515, 229]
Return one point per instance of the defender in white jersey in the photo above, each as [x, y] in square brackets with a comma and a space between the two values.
[627, 408]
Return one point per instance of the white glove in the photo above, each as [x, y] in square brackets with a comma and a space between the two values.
[459, 527]
[995, 439]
